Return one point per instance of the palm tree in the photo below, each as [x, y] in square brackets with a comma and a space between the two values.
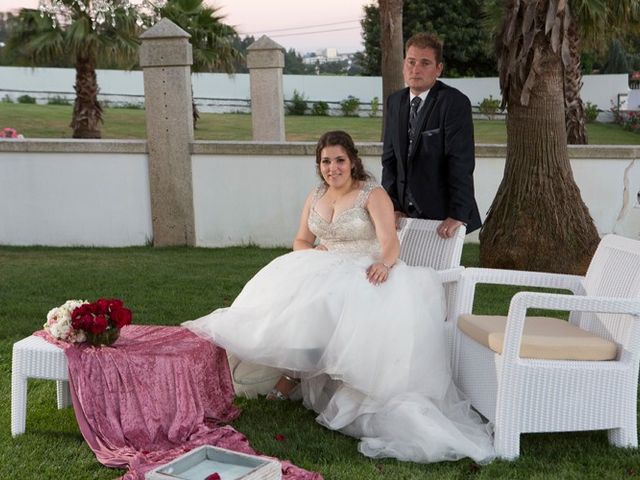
[212, 40]
[538, 220]
[591, 23]
[78, 39]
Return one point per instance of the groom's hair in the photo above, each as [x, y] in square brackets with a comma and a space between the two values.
[342, 139]
[425, 40]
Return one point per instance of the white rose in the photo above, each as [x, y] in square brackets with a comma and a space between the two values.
[54, 330]
[53, 313]
[59, 322]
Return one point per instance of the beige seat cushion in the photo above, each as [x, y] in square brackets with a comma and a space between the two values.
[543, 337]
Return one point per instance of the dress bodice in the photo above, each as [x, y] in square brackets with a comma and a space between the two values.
[352, 230]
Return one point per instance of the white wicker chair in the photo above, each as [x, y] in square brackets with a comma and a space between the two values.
[420, 245]
[522, 395]
[34, 357]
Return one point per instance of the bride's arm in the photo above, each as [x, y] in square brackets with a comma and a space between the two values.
[380, 208]
[304, 238]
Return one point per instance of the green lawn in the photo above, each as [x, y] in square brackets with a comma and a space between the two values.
[52, 121]
[169, 285]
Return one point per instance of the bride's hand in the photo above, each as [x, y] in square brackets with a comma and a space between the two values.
[378, 273]
[320, 247]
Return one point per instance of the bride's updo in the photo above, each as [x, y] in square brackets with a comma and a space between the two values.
[344, 140]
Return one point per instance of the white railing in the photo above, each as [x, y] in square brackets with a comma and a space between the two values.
[218, 92]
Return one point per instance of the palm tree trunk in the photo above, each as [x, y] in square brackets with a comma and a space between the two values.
[391, 46]
[538, 220]
[574, 110]
[87, 111]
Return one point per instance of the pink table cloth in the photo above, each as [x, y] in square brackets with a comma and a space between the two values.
[155, 394]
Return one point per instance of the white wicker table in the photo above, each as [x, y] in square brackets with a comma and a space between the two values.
[34, 357]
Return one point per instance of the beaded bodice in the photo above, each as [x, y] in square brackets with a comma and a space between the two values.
[351, 230]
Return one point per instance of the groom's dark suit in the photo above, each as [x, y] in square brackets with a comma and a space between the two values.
[435, 179]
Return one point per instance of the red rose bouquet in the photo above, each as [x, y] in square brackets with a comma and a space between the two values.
[101, 321]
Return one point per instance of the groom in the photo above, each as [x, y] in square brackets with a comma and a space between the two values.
[428, 153]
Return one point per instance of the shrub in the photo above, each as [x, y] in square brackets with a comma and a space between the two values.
[10, 133]
[297, 105]
[350, 106]
[7, 99]
[590, 112]
[320, 108]
[58, 100]
[629, 120]
[489, 107]
[375, 106]
[26, 99]
[128, 105]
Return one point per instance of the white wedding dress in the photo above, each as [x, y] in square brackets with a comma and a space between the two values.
[372, 359]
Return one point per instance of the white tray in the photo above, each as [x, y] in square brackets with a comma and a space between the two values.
[203, 461]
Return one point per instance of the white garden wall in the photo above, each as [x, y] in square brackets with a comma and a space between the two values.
[67, 198]
[96, 193]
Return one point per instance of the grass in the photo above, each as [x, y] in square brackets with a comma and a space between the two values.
[52, 121]
[169, 285]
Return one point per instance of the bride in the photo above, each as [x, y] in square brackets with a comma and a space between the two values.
[363, 332]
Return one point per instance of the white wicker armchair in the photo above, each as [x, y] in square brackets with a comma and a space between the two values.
[555, 391]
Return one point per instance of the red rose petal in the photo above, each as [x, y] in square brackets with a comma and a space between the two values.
[214, 476]
[279, 437]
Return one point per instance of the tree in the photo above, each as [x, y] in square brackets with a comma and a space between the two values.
[467, 45]
[391, 47]
[241, 44]
[616, 59]
[370, 57]
[294, 64]
[537, 220]
[589, 23]
[574, 116]
[5, 21]
[212, 41]
[77, 37]
[28, 25]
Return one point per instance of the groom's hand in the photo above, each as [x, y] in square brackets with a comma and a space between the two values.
[448, 227]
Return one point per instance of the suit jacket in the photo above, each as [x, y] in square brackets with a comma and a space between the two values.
[439, 168]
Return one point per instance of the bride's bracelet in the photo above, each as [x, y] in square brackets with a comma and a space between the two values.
[388, 267]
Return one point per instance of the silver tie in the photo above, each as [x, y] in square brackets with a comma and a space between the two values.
[413, 119]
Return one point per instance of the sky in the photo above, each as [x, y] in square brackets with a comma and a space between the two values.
[304, 25]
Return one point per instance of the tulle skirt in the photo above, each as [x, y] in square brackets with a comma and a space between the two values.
[372, 359]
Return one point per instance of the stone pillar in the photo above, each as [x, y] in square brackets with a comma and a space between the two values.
[265, 60]
[165, 58]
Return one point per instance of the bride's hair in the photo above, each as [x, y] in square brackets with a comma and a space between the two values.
[342, 139]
